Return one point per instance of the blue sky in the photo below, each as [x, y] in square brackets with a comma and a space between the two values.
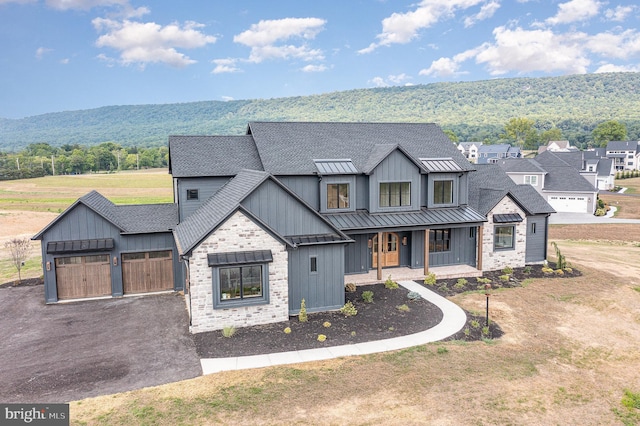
[60, 55]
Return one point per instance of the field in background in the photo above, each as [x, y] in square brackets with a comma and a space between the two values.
[28, 205]
[628, 205]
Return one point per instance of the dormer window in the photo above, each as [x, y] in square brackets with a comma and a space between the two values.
[443, 192]
[531, 180]
[395, 194]
[192, 194]
[338, 196]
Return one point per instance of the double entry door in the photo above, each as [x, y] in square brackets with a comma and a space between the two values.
[390, 255]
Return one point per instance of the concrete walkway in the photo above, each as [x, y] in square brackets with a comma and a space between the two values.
[453, 320]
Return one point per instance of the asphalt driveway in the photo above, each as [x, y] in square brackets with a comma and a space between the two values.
[70, 351]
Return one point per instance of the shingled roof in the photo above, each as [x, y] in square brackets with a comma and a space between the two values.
[129, 219]
[561, 176]
[489, 184]
[195, 156]
[289, 148]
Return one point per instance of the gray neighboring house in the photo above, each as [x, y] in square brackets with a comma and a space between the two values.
[289, 211]
[558, 181]
[491, 154]
[625, 154]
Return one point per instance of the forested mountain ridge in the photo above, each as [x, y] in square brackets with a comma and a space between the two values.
[475, 110]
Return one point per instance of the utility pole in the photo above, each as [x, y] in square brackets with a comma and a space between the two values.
[53, 167]
[18, 162]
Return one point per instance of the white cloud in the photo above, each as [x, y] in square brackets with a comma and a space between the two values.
[41, 51]
[486, 11]
[443, 67]
[391, 80]
[620, 13]
[537, 50]
[83, 4]
[404, 27]
[64, 61]
[142, 43]
[225, 66]
[266, 39]
[575, 10]
[611, 45]
[17, 1]
[314, 68]
[227, 98]
[617, 68]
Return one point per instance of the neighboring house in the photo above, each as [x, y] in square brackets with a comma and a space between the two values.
[625, 154]
[488, 154]
[290, 210]
[470, 150]
[559, 182]
[516, 231]
[596, 160]
[557, 146]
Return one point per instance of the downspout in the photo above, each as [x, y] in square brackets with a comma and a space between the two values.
[187, 288]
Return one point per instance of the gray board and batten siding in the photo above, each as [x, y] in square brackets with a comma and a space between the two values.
[536, 238]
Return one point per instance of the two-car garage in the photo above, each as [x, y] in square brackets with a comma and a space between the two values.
[97, 249]
[569, 204]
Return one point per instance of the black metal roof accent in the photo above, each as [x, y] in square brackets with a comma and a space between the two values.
[507, 218]
[239, 258]
[301, 240]
[362, 219]
[79, 246]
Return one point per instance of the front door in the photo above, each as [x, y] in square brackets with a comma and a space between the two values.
[390, 255]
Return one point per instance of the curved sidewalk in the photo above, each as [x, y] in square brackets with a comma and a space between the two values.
[453, 319]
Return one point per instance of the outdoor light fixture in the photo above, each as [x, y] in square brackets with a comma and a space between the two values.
[369, 243]
[404, 241]
[115, 261]
[48, 266]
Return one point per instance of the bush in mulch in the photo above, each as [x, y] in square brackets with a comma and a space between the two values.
[476, 328]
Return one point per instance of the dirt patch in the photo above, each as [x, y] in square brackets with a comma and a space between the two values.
[595, 233]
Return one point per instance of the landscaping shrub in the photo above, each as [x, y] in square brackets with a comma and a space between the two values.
[367, 296]
[403, 308]
[461, 283]
[228, 331]
[508, 270]
[348, 310]
[430, 279]
[390, 284]
[302, 316]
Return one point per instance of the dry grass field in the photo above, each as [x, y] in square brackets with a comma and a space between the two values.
[570, 356]
[627, 204]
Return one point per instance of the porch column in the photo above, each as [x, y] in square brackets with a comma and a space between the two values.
[380, 242]
[479, 237]
[426, 251]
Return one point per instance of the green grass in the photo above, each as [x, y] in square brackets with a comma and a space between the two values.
[31, 268]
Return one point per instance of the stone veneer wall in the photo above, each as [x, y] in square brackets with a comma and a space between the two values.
[238, 233]
[496, 260]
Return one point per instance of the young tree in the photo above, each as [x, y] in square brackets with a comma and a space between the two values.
[608, 131]
[521, 131]
[19, 249]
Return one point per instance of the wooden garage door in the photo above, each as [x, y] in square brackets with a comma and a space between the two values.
[147, 271]
[83, 276]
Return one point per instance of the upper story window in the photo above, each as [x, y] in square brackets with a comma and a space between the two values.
[395, 194]
[338, 196]
[443, 192]
[192, 194]
[531, 180]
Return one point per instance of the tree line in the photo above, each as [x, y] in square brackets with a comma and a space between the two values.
[41, 159]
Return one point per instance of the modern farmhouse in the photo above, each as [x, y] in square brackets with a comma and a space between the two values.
[289, 211]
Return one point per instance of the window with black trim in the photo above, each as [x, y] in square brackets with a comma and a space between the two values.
[313, 264]
[443, 192]
[439, 240]
[240, 282]
[472, 232]
[395, 194]
[533, 227]
[337, 196]
[503, 237]
[192, 194]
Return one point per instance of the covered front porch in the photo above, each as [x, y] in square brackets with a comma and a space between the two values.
[404, 273]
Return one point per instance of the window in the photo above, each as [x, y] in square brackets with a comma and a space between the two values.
[338, 196]
[240, 282]
[395, 194]
[531, 180]
[472, 232]
[439, 240]
[503, 237]
[192, 194]
[313, 264]
[533, 227]
[443, 192]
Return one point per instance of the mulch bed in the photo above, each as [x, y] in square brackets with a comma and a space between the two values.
[27, 282]
[374, 321]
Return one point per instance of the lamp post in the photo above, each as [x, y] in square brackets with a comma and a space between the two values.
[487, 287]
